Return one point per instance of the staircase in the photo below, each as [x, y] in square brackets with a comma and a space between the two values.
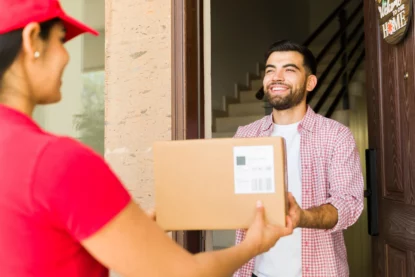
[340, 69]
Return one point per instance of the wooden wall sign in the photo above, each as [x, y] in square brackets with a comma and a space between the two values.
[394, 18]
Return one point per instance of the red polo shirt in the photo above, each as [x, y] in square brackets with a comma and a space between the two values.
[54, 193]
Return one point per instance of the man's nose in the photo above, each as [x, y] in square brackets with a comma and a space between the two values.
[278, 75]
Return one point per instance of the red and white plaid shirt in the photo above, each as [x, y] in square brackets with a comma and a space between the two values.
[331, 173]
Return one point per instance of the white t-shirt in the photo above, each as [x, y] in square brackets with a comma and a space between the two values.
[284, 259]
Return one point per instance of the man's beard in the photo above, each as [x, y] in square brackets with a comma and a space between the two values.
[281, 103]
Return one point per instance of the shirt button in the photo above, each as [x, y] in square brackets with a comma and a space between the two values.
[306, 243]
[307, 269]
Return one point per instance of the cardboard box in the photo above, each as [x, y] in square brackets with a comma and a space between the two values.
[214, 184]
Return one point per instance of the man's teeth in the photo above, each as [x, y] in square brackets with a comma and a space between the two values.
[278, 88]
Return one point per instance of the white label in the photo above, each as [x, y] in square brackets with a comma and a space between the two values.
[254, 169]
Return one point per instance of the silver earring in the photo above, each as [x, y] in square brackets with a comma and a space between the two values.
[37, 54]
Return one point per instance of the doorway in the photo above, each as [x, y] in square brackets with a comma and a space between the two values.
[193, 55]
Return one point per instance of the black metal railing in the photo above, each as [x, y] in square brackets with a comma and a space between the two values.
[345, 55]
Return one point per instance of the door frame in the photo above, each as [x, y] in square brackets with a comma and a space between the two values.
[187, 82]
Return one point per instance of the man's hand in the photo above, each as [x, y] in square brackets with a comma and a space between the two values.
[261, 235]
[294, 211]
[323, 217]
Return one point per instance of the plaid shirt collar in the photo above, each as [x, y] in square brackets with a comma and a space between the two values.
[307, 123]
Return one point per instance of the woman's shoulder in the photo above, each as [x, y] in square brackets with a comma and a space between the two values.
[64, 154]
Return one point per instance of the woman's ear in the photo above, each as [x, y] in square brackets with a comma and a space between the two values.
[32, 45]
[311, 82]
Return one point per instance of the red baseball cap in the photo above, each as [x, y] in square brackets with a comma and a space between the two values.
[16, 14]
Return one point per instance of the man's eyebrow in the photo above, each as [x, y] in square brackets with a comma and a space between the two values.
[285, 66]
[291, 65]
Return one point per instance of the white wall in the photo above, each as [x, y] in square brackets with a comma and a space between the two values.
[95, 13]
[94, 52]
[94, 47]
[241, 33]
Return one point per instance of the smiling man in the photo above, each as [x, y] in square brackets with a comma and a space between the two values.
[324, 174]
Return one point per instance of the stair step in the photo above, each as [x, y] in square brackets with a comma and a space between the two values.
[323, 88]
[322, 67]
[329, 77]
[231, 124]
[246, 109]
[247, 96]
[223, 134]
[325, 106]
[325, 62]
[256, 84]
[342, 116]
[360, 75]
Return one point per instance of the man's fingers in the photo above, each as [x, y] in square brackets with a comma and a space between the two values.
[289, 222]
[291, 199]
[284, 231]
[289, 225]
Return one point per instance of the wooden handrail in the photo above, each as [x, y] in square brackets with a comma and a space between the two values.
[341, 71]
[340, 95]
[325, 23]
[356, 46]
[338, 33]
[325, 74]
[356, 30]
[326, 94]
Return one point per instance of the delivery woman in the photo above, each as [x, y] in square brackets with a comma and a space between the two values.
[63, 212]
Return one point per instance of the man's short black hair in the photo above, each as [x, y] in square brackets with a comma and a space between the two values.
[310, 62]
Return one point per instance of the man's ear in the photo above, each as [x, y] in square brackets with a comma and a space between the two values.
[32, 44]
[311, 82]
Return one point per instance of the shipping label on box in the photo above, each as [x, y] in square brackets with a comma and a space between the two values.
[254, 169]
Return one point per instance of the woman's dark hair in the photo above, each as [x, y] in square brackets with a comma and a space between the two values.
[286, 45]
[11, 44]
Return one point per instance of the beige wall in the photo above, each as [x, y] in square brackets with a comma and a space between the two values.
[138, 89]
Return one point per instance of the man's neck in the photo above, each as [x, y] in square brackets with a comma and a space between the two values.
[289, 116]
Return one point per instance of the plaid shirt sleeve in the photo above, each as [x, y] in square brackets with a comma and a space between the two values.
[346, 181]
[247, 269]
